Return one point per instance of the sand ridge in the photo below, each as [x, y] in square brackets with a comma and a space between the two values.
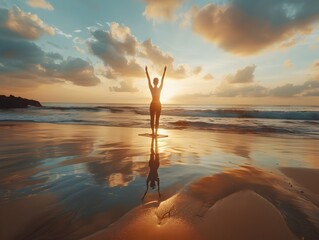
[245, 203]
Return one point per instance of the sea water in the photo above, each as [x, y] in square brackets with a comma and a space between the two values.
[296, 120]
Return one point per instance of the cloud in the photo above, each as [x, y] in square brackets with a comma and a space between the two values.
[230, 90]
[289, 90]
[114, 48]
[246, 27]
[292, 41]
[122, 54]
[208, 77]
[116, 42]
[182, 71]
[78, 49]
[163, 10]
[312, 93]
[92, 28]
[197, 70]
[315, 66]
[288, 64]
[252, 89]
[158, 59]
[16, 23]
[60, 32]
[244, 75]
[75, 70]
[187, 17]
[40, 4]
[155, 55]
[249, 88]
[125, 86]
[315, 70]
[308, 89]
[78, 40]
[125, 39]
[229, 87]
[25, 64]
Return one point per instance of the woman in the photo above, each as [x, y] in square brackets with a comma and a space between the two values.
[155, 107]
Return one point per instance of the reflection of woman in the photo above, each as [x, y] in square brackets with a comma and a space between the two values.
[153, 164]
[155, 107]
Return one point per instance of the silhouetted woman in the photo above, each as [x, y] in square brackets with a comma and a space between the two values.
[155, 107]
[153, 164]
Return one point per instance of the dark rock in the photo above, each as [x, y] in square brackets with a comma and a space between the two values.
[17, 102]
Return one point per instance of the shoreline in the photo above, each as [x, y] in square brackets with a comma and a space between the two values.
[207, 131]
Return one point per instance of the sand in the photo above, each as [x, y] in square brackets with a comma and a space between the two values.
[239, 204]
[242, 215]
[75, 181]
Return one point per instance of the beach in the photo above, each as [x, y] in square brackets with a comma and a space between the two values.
[159, 120]
[66, 181]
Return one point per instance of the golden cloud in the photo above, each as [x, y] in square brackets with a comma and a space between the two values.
[163, 10]
[246, 27]
[40, 4]
[26, 25]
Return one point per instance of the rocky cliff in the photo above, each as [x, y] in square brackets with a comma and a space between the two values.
[17, 102]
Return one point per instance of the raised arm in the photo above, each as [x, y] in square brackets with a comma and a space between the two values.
[162, 81]
[148, 78]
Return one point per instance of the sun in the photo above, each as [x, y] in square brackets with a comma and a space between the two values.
[168, 92]
[166, 96]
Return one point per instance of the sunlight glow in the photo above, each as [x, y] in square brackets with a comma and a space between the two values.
[169, 90]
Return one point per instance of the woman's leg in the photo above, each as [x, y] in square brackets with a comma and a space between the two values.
[158, 114]
[152, 114]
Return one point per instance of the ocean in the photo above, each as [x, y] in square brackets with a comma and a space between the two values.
[294, 120]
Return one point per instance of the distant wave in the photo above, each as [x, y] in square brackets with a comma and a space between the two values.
[226, 113]
[90, 109]
[229, 113]
[230, 127]
[218, 113]
[238, 113]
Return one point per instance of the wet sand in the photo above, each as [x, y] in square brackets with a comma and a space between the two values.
[75, 181]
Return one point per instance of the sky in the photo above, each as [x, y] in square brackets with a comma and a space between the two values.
[263, 52]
